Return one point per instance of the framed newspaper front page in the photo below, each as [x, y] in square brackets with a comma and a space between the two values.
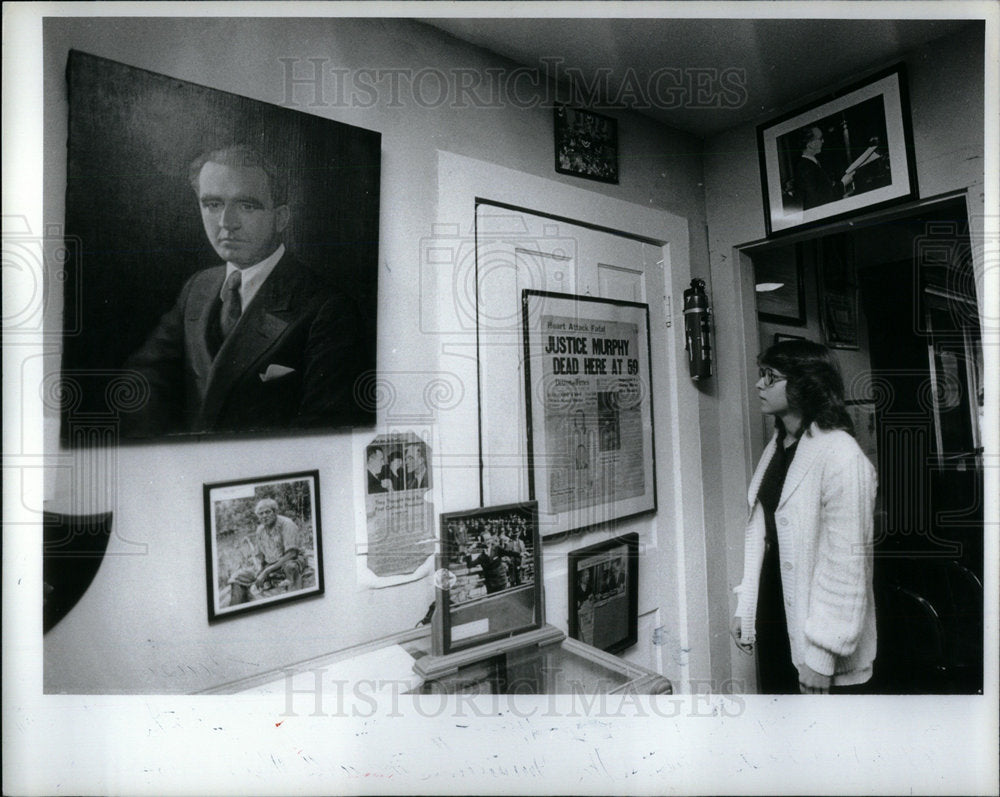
[589, 409]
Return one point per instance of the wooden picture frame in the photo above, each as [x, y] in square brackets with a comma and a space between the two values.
[247, 555]
[589, 409]
[861, 158]
[604, 593]
[586, 144]
[489, 577]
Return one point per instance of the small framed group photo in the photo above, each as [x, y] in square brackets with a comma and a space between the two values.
[262, 542]
[586, 144]
[838, 156]
[489, 581]
[604, 593]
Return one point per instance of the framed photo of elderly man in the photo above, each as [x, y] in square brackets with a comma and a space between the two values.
[838, 156]
[223, 277]
[262, 542]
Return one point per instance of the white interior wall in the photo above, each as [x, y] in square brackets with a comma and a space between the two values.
[142, 626]
[663, 599]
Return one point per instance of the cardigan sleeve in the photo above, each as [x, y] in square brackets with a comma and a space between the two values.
[838, 601]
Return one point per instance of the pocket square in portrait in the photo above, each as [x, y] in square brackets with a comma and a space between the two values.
[275, 371]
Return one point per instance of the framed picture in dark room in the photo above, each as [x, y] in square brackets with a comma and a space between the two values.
[838, 291]
[262, 542]
[780, 289]
[589, 409]
[224, 261]
[604, 593]
[489, 579]
[838, 156]
[586, 144]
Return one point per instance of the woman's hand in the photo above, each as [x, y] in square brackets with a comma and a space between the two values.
[736, 629]
[812, 682]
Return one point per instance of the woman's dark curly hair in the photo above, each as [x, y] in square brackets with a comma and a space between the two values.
[815, 386]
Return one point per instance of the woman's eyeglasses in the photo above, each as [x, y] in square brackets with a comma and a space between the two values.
[770, 377]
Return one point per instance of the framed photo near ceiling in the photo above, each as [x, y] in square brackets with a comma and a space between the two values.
[604, 593]
[586, 144]
[839, 156]
[589, 409]
[489, 576]
[781, 294]
[263, 544]
[152, 348]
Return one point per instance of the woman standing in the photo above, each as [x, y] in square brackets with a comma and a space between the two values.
[806, 599]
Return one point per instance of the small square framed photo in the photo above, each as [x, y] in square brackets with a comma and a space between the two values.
[840, 156]
[604, 593]
[262, 542]
[586, 144]
[489, 580]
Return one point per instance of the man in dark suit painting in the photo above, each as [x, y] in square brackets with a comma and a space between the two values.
[259, 342]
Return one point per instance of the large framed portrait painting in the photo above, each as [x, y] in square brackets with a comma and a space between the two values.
[224, 261]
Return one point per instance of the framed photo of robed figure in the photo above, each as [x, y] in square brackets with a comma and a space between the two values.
[838, 156]
[222, 276]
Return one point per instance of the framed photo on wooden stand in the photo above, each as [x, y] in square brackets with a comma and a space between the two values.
[488, 587]
[589, 409]
[604, 593]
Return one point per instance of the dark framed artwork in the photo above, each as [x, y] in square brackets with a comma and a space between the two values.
[780, 289]
[586, 144]
[263, 544]
[589, 409]
[838, 292]
[489, 576]
[604, 593]
[145, 349]
[863, 414]
[838, 156]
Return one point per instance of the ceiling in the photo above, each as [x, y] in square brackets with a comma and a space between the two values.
[768, 63]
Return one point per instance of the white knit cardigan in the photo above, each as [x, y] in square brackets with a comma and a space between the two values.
[824, 521]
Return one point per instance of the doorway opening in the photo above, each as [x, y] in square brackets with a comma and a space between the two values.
[895, 297]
